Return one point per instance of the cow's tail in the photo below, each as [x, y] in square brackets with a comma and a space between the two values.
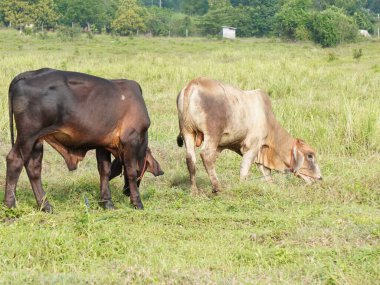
[184, 120]
[19, 77]
[180, 140]
[10, 109]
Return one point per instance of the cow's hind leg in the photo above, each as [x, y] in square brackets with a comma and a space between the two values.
[14, 167]
[33, 168]
[103, 158]
[209, 155]
[191, 160]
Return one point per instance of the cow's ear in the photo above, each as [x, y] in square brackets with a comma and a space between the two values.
[152, 165]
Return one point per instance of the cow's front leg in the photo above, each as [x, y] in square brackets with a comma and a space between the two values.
[266, 173]
[246, 163]
[132, 149]
[130, 169]
[209, 157]
[103, 158]
[126, 189]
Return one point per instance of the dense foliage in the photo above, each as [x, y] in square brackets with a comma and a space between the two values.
[332, 26]
[292, 19]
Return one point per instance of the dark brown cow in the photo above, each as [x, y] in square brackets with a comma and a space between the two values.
[220, 116]
[74, 113]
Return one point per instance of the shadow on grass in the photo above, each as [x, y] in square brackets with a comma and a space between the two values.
[65, 193]
[182, 182]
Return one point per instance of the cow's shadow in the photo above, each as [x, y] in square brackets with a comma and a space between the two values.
[183, 183]
[81, 192]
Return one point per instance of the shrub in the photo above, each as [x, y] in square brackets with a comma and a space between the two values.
[364, 20]
[357, 54]
[293, 18]
[303, 33]
[28, 31]
[68, 33]
[332, 27]
[211, 23]
[157, 21]
[180, 22]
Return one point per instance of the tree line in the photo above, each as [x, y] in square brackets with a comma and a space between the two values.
[327, 22]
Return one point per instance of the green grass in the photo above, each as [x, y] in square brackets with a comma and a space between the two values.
[253, 233]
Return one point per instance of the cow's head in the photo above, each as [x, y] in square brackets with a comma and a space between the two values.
[152, 164]
[149, 163]
[304, 162]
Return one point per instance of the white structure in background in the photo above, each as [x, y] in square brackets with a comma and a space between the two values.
[364, 33]
[228, 32]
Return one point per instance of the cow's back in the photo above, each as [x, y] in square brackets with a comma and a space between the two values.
[86, 109]
[222, 110]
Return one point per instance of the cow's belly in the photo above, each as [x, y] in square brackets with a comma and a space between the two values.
[66, 139]
[232, 137]
[73, 138]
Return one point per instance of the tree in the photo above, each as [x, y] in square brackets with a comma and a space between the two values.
[219, 4]
[182, 25]
[17, 13]
[293, 17]
[169, 4]
[129, 18]
[158, 21]
[373, 5]
[2, 16]
[364, 20]
[194, 7]
[255, 17]
[350, 6]
[332, 27]
[86, 13]
[44, 13]
[212, 22]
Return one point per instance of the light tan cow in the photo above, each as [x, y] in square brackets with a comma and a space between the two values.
[219, 116]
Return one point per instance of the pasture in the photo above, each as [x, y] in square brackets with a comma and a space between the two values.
[253, 232]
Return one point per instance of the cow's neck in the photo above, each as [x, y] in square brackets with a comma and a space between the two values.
[276, 154]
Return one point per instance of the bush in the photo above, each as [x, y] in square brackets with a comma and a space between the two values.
[212, 22]
[332, 27]
[303, 33]
[68, 33]
[364, 20]
[157, 21]
[28, 31]
[180, 22]
[293, 18]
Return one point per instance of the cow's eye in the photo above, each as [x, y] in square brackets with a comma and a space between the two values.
[310, 156]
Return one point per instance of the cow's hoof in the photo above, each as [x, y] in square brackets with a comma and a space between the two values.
[127, 191]
[216, 191]
[194, 191]
[47, 208]
[138, 206]
[107, 205]
[10, 204]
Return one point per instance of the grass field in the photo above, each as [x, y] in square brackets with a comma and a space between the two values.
[252, 233]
